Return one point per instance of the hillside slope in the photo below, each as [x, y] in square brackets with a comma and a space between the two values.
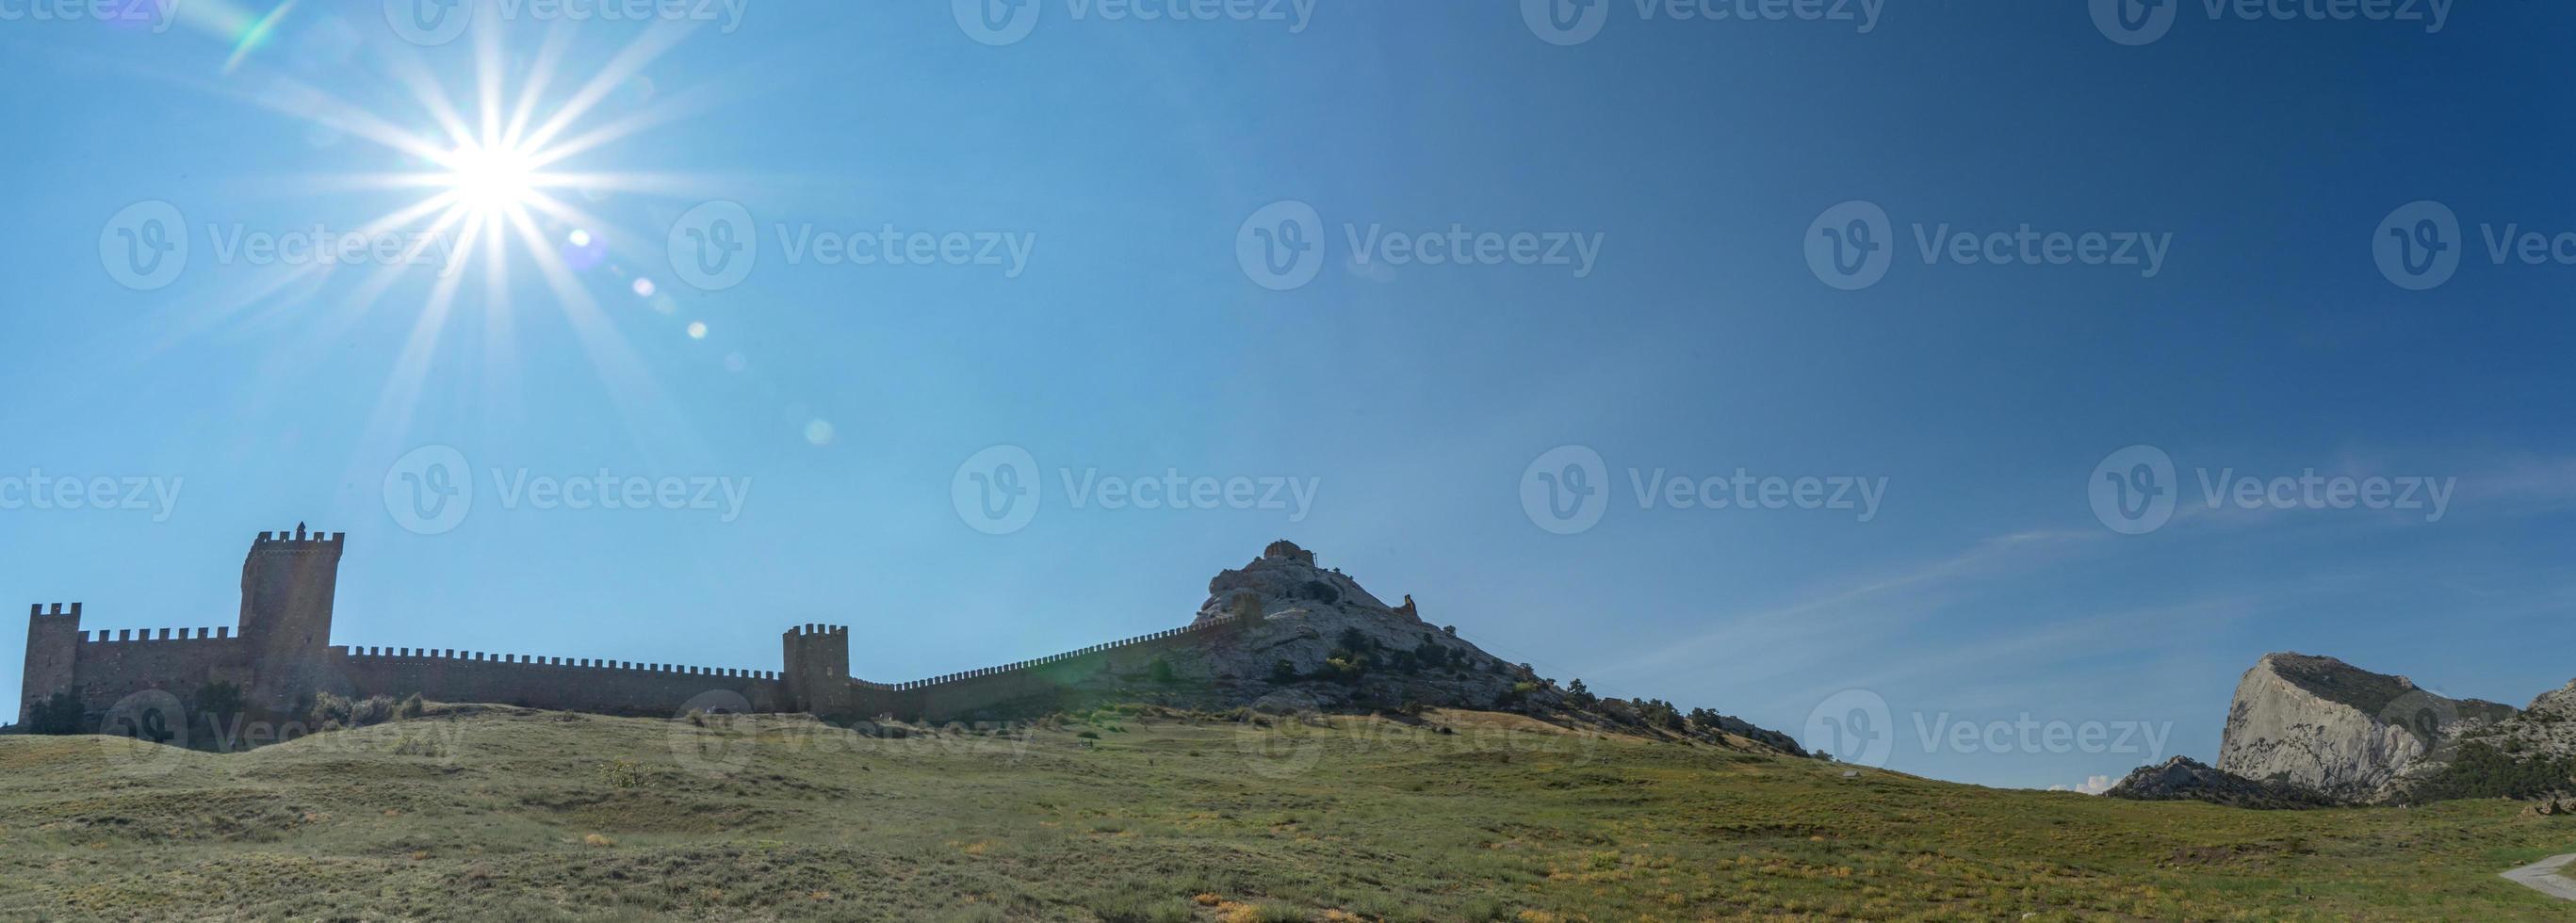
[1137, 814]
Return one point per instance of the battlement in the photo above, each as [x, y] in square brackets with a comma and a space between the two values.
[137, 635]
[420, 654]
[281, 541]
[36, 611]
[802, 631]
[1008, 668]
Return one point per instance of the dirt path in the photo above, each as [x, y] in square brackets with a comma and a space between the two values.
[2542, 876]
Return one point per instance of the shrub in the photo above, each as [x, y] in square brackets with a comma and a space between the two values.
[1162, 671]
[1579, 694]
[412, 707]
[1283, 672]
[59, 713]
[620, 773]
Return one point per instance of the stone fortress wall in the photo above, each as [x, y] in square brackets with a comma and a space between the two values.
[281, 655]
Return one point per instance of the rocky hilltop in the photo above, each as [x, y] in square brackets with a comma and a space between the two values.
[1302, 636]
[2185, 779]
[2319, 726]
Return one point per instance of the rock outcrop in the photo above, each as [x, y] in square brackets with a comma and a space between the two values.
[2185, 779]
[2336, 729]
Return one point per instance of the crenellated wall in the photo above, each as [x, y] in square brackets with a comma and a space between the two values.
[561, 683]
[280, 656]
[1028, 685]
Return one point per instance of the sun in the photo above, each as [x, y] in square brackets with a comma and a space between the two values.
[490, 179]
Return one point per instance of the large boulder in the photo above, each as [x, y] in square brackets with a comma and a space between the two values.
[2333, 728]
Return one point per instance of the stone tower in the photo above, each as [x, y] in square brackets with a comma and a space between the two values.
[53, 640]
[287, 587]
[818, 669]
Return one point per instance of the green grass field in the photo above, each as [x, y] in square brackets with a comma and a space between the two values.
[507, 814]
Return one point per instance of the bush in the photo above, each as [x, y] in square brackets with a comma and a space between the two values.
[1162, 672]
[330, 710]
[59, 713]
[1283, 672]
[412, 707]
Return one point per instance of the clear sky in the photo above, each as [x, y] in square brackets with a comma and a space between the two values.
[1062, 235]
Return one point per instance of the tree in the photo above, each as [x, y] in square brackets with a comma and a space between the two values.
[1162, 671]
[1283, 672]
[1705, 719]
[60, 713]
[1579, 694]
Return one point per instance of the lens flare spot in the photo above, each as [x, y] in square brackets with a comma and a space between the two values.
[819, 432]
[697, 330]
[644, 287]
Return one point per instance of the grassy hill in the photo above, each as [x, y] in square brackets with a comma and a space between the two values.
[484, 813]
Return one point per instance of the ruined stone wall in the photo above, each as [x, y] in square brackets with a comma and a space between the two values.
[559, 683]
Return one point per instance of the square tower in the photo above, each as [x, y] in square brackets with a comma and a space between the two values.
[818, 669]
[287, 588]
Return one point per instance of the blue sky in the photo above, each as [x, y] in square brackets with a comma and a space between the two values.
[841, 402]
